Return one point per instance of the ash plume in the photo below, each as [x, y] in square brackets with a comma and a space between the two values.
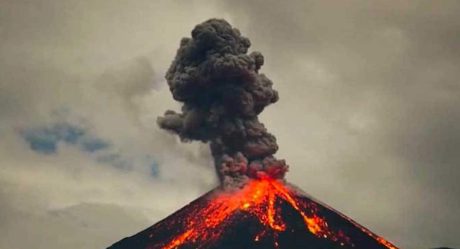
[223, 93]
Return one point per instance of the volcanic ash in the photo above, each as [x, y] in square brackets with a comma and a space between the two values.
[222, 93]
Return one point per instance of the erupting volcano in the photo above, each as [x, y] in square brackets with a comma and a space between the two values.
[264, 213]
[254, 207]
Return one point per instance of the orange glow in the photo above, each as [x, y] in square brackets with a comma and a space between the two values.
[179, 240]
[258, 198]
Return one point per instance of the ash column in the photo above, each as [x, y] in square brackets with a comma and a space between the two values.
[222, 94]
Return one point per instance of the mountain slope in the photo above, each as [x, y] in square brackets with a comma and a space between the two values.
[264, 214]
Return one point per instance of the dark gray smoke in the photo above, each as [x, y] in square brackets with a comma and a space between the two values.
[222, 93]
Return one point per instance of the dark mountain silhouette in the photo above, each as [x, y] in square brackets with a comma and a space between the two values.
[263, 214]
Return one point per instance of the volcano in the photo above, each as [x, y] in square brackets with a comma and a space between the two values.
[262, 214]
[222, 93]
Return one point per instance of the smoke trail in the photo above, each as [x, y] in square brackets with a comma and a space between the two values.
[222, 93]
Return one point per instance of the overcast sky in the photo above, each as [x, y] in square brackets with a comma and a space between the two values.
[368, 117]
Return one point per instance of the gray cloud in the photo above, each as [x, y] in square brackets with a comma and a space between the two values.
[377, 92]
[75, 58]
[371, 89]
[67, 226]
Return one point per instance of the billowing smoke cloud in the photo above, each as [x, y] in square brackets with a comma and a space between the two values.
[222, 93]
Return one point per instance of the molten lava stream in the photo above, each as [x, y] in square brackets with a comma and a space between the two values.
[257, 197]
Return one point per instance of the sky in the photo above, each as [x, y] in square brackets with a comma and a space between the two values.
[368, 117]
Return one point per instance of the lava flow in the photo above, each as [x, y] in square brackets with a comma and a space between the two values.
[257, 198]
[264, 213]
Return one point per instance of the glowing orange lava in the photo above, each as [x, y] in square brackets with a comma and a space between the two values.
[258, 198]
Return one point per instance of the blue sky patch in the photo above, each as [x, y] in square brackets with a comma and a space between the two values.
[93, 144]
[115, 160]
[154, 169]
[45, 140]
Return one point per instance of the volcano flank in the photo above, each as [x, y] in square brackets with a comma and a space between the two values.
[222, 93]
[265, 213]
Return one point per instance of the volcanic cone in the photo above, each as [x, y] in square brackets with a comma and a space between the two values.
[264, 213]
